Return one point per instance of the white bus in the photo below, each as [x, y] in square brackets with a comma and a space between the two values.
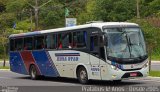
[95, 51]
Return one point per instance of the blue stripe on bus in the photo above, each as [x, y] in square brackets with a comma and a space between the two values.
[67, 54]
[16, 63]
[45, 65]
[53, 65]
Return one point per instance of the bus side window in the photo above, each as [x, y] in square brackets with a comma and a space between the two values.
[59, 41]
[19, 44]
[51, 40]
[54, 43]
[79, 39]
[67, 40]
[48, 40]
[39, 42]
[28, 43]
[12, 44]
[74, 40]
[102, 53]
[94, 45]
[70, 41]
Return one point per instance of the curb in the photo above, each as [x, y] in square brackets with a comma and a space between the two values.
[155, 61]
[5, 69]
[152, 77]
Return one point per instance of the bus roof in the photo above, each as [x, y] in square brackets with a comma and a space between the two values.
[98, 25]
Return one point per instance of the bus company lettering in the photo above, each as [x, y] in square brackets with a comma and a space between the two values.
[61, 58]
[67, 56]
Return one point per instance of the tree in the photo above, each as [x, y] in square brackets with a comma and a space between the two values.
[16, 7]
[36, 8]
[109, 10]
[2, 5]
[5, 22]
[155, 6]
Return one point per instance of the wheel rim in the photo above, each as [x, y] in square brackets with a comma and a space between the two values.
[33, 72]
[83, 75]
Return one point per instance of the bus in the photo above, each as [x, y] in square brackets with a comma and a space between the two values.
[96, 51]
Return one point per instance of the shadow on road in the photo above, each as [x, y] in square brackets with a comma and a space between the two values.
[91, 82]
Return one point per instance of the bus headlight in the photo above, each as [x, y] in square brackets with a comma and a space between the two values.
[114, 67]
[145, 65]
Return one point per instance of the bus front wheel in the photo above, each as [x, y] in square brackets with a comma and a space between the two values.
[117, 81]
[33, 72]
[82, 75]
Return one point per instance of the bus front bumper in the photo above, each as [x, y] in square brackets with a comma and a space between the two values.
[120, 74]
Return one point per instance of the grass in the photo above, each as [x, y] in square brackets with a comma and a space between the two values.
[6, 67]
[154, 73]
[156, 57]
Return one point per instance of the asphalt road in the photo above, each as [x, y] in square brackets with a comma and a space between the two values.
[24, 84]
[155, 65]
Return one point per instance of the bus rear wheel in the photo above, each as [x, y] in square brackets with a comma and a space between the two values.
[82, 75]
[33, 72]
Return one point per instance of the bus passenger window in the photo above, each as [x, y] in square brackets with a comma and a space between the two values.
[39, 42]
[74, 40]
[51, 41]
[28, 43]
[19, 44]
[67, 40]
[70, 41]
[48, 40]
[59, 41]
[12, 44]
[102, 53]
[79, 39]
[93, 43]
[54, 42]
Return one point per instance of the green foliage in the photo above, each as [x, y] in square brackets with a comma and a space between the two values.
[15, 5]
[52, 18]
[154, 73]
[2, 5]
[6, 67]
[6, 20]
[109, 10]
[24, 25]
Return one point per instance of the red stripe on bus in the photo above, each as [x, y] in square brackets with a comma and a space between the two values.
[28, 60]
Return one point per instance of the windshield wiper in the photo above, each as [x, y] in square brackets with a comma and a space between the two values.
[128, 42]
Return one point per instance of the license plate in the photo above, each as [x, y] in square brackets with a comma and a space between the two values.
[133, 74]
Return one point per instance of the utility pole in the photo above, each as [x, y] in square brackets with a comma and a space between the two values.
[31, 19]
[138, 13]
[36, 11]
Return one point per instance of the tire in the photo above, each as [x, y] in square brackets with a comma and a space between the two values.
[33, 72]
[82, 75]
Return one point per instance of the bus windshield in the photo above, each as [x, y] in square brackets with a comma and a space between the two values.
[125, 43]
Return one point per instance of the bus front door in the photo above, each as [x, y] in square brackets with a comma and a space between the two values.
[94, 57]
